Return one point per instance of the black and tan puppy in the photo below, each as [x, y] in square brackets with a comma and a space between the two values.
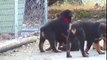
[103, 36]
[84, 30]
[54, 29]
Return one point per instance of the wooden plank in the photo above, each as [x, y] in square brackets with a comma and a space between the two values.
[11, 44]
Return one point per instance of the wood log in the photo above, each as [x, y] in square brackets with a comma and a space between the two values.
[11, 44]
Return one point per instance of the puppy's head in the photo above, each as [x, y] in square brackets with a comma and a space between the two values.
[102, 30]
[67, 13]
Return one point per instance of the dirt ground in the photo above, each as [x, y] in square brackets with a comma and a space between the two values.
[31, 52]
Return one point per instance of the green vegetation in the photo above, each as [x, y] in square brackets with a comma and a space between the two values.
[83, 14]
[102, 14]
[80, 13]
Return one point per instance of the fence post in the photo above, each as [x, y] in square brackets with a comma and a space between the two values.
[16, 18]
[46, 10]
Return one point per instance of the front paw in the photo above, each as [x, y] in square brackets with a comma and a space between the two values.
[85, 55]
[68, 56]
[42, 51]
[57, 51]
[101, 52]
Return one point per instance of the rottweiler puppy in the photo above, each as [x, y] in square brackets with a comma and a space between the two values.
[54, 29]
[84, 30]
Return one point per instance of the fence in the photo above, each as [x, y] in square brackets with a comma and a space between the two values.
[21, 17]
[35, 15]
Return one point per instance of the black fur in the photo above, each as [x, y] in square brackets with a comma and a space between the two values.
[85, 30]
[54, 29]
